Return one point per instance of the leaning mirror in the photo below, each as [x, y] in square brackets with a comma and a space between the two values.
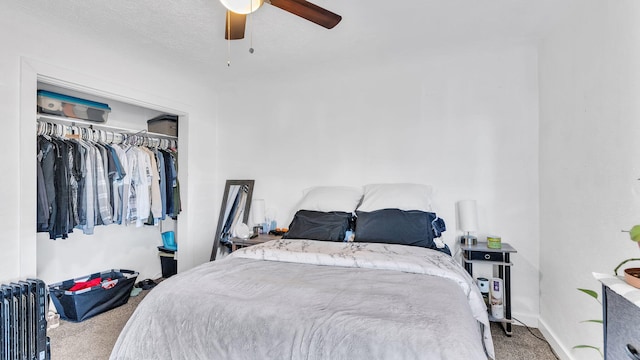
[236, 203]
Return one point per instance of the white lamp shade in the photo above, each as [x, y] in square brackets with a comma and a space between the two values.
[467, 215]
[242, 6]
[257, 211]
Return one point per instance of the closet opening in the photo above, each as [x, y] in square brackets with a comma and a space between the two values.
[118, 242]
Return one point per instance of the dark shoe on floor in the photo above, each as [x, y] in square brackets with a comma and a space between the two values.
[146, 284]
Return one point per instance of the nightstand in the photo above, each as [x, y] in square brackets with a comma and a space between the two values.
[500, 259]
[237, 243]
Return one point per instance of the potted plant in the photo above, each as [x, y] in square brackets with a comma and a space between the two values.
[631, 275]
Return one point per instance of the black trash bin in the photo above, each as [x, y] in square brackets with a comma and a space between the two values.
[168, 262]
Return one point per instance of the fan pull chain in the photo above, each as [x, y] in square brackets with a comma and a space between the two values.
[251, 26]
[228, 39]
[251, 34]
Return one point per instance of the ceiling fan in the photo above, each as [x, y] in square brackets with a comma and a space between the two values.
[238, 10]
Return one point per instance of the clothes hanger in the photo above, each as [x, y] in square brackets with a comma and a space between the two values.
[107, 139]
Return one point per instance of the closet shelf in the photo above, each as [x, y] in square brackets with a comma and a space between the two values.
[83, 123]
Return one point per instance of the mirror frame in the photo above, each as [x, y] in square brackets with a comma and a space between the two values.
[221, 218]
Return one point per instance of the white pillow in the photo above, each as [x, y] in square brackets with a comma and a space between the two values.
[396, 196]
[331, 198]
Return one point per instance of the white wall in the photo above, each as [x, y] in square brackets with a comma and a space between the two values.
[33, 47]
[589, 168]
[466, 123]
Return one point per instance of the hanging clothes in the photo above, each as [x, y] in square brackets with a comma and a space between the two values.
[172, 186]
[163, 183]
[84, 181]
[156, 201]
[41, 191]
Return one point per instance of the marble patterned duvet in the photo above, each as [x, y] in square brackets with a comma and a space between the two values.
[305, 299]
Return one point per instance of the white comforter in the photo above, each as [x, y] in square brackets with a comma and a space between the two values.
[304, 299]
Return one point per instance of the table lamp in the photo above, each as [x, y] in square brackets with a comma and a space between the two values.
[468, 221]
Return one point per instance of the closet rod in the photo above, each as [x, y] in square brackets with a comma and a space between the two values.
[75, 122]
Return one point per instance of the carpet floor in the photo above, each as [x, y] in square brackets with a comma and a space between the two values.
[94, 338]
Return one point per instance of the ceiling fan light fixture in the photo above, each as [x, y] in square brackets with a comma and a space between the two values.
[242, 6]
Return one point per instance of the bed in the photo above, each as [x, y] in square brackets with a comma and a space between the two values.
[301, 298]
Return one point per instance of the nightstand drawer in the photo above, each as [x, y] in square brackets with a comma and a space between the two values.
[486, 256]
[621, 330]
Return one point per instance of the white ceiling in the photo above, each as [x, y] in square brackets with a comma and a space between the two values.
[193, 30]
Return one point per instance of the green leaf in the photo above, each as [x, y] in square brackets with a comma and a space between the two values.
[588, 347]
[590, 293]
[593, 321]
[634, 233]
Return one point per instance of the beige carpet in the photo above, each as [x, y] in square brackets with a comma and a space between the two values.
[94, 338]
[522, 345]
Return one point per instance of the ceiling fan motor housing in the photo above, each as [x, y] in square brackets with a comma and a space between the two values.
[242, 6]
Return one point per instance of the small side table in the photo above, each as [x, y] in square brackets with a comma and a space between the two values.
[237, 243]
[499, 258]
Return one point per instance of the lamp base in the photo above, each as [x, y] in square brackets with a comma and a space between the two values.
[466, 240]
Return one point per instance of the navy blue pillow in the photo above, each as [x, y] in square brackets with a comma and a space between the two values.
[318, 225]
[394, 226]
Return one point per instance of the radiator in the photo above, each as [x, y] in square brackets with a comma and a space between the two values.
[23, 321]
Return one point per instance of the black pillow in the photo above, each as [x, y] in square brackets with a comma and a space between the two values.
[318, 225]
[394, 226]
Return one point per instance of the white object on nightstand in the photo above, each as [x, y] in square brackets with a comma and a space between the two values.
[496, 289]
[242, 231]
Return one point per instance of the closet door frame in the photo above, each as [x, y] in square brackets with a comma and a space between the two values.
[34, 71]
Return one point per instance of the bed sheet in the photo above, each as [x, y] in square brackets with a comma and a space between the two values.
[304, 299]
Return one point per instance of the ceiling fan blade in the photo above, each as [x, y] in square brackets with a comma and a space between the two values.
[234, 26]
[309, 11]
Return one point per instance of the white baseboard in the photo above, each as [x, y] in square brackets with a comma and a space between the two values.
[560, 350]
[529, 320]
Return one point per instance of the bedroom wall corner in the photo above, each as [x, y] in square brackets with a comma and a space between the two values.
[589, 192]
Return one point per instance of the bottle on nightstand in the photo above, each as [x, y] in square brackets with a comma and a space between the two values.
[497, 290]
